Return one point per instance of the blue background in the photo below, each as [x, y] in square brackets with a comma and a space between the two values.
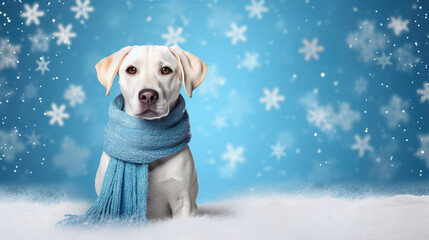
[320, 161]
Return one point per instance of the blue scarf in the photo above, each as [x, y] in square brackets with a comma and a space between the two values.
[132, 143]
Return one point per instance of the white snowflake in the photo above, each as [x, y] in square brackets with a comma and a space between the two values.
[173, 37]
[346, 116]
[213, 81]
[72, 158]
[250, 61]
[322, 117]
[30, 91]
[57, 114]
[256, 9]
[64, 34]
[32, 14]
[366, 41]
[272, 99]
[383, 60]
[398, 25]
[233, 155]
[423, 151]
[42, 65]
[278, 150]
[39, 41]
[405, 59]
[8, 54]
[311, 49]
[395, 111]
[74, 94]
[33, 139]
[10, 145]
[237, 33]
[362, 145]
[82, 9]
[219, 122]
[361, 85]
[424, 92]
[326, 119]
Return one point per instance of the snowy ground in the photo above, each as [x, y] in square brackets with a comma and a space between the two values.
[273, 216]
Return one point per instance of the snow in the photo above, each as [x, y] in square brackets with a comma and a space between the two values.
[250, 61]
[75, 94]
[311, 49]
[271, 216]
[398, 25]
[272, 99]
[57, 114]
[395, 111]
[362, 145]
[237, 33]
[82, 9]
[64, 34]
[256, 9]
[32, 14]
[173, 37]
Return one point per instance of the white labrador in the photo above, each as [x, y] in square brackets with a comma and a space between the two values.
[150, 79]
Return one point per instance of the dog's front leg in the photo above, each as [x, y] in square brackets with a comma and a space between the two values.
[102, 167]
[183, 206]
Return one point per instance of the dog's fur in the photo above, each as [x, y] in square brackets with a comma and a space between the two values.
[173, 183]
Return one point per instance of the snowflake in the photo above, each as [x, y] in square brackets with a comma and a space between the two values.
[212, 82]
[366, 41]
[39, 42]
[64, 34]
[57, 114]
[362, 145]
[405, 59]
[423, 151]
[173, 37]
[311, 49]
[30, 91]
[234, 155]
[361, 85]
[237, 33]
[32, 14]
[250, 61]
[82, 9]
[272, 99]
[74, 94]
[256, 9]
[398, 25]
[72, 158]
[10, 145]
[424, 92]
[219, 122]
[278, 150]
[42, 65]
[33, 139]
[326, 119]
[8, 54]
[321, 117]
[383, 60]
[346, 116]
[395, 111]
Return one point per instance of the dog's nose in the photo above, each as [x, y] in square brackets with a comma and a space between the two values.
[148, 96]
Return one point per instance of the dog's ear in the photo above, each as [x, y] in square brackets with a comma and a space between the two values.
[191, 68]
[108, 67]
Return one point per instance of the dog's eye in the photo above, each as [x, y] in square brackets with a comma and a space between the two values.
[166, 70]
[131, 70]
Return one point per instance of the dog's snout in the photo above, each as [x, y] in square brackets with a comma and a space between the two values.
[148, 96]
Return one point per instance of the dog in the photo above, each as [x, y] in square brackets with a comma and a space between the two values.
[150, 79]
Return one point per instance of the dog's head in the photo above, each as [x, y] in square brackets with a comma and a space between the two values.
[150, 77]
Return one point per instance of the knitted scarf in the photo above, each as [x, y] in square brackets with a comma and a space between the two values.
[132, 143]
